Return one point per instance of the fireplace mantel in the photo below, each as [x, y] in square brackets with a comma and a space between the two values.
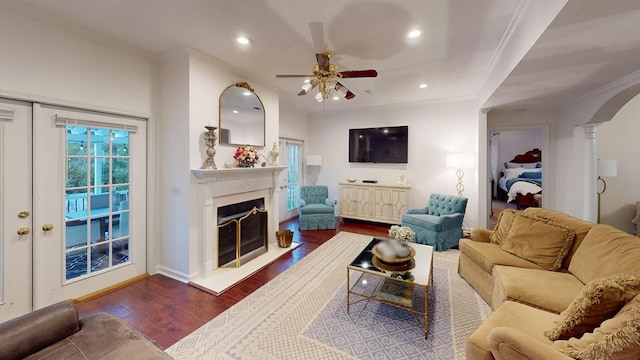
[226, 186]
[231, 174]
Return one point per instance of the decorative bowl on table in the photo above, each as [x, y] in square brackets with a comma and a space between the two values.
[351, 180]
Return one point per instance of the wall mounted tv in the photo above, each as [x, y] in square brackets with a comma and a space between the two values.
[379, 145]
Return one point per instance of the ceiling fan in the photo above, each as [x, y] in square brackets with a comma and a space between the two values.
[326, 77]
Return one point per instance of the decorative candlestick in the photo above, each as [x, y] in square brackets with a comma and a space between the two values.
[274, 155]
[210, 141]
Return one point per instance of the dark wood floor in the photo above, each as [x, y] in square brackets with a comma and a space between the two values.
[166, 310]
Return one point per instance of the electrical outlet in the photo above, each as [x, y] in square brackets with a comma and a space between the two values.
[175, 191]
[335, 202]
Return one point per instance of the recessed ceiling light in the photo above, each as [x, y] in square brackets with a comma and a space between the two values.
[243, 40]
[335, 97]
[414, 34]
[422, 86]
[235, 111]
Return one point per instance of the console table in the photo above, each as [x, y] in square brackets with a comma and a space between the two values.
[383, 203]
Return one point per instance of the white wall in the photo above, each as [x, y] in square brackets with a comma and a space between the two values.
[173, 166]
[49, 64]
[435, 129]
[570, 147]
[294, 123]
[618, 139]
[515, 142]
[191, 86]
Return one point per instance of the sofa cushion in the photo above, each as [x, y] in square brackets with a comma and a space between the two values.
[548, 290]
[503, 225]
[616, 338]
[599, 300]
[528, 320]
[578, 226]
[430, 222]
[36, 330]
[103, 336]
[487, 255]
[615, 251]
[316, 209]
[540, 241]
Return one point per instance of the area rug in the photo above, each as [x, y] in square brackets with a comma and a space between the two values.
[301, 314]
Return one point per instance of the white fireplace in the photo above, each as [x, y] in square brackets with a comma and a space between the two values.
[218, 188]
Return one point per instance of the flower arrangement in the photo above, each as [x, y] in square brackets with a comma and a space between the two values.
[246, 156]
[402, 233]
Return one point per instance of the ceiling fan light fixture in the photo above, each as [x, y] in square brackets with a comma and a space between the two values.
[336, 97]
[307, 86]
[319, 97]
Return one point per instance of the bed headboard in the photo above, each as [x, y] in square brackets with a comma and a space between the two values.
[530, 156]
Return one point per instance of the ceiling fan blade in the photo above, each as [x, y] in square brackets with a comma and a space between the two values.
[349, 95]
[317, 36]
[293, 76]
[305, 92]
[341, 89]
[359, 73]
[323, 61]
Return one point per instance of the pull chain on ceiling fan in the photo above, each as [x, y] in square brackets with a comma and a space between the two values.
[326, 78]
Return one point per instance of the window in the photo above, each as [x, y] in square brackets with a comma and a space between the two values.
[96, 200]
[293, 175]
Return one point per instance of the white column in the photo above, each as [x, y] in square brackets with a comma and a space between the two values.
[590, 159]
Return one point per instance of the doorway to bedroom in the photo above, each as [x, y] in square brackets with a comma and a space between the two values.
[516, 169]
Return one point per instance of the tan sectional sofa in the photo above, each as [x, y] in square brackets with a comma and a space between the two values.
[538, 268]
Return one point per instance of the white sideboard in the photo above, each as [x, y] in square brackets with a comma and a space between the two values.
[383, 203]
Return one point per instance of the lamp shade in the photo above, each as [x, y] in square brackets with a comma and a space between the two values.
[314, 160]
[460, 161]
[608, 168]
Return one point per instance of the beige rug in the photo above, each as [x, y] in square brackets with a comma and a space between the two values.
[298, 314]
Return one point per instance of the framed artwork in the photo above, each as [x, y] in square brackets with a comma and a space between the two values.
[402, 179]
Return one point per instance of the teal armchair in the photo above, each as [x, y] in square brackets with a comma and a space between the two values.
[439, 224]
[316, 210]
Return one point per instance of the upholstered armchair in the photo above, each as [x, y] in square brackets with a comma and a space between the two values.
[439, 224]
[316, 210]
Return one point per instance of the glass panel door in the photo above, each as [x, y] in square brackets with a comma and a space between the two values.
[89, 185]
[96, 202]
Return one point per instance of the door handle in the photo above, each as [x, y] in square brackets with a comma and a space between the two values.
[47, 227]
[23, 230]
[23, 214]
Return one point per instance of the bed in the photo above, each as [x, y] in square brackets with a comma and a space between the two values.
[521, 179]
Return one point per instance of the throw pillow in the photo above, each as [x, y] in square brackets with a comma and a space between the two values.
[540, 241]
[599, 300]
[503, 225]
[616, 338]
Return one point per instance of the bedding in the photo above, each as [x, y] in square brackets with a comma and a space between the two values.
[522, 178]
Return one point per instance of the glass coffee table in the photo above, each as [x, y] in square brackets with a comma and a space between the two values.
[389, 283]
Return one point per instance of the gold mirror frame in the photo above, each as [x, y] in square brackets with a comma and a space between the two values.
[242, 117]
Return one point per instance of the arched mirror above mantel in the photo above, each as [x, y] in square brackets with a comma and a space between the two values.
[242, 117]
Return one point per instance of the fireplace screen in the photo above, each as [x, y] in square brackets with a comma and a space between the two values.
[242, 232]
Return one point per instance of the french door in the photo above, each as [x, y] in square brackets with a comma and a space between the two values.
[84, 188]
[15, 209]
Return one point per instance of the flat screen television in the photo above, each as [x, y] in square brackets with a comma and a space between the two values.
[379, 145]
